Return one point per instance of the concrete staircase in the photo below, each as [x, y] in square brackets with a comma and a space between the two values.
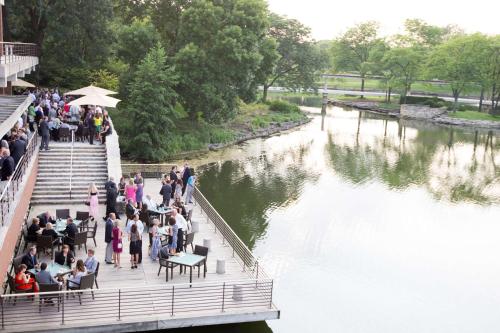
[53, 179]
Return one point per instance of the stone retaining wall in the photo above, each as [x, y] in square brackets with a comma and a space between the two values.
[421, 111]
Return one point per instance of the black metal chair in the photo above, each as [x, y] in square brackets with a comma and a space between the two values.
[189, 216]
[201, 251]
[91, 233]
[62, 213]
[82, 216]
[44, 243]
[26, 239]
[163, 260]
[188, 240]
[81, 239]
[64, 134]
[13, 288]
[86, 282]
[44, 298]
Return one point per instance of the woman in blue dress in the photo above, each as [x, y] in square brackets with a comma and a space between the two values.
[156, 242]
[172, 241]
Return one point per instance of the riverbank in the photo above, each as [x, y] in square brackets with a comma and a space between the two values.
[443, 119]
[252, 121]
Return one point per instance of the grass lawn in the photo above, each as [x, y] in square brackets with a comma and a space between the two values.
[473, 115]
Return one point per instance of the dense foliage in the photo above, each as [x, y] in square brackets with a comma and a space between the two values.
[179, 65]
[424, 52]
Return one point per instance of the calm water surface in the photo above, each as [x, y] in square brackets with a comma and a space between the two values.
[368, 224]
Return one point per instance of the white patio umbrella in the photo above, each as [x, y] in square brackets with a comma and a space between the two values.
[22, 83]
[97, 99]
[91, 90]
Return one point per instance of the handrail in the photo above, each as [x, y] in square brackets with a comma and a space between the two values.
[243, 252]
[139, 304]
[11, 52]
[12, 185]
[71, 163]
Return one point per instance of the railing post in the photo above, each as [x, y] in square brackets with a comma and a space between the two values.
[173, 291]
[223, 294]
[3, 323]
[119, 304]
[257, 278]
[271, 298]
[62, 312]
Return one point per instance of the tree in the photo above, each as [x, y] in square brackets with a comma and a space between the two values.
[456, 61]
[295, 61]
[218, 55]
[351, 52]
[402, 65]
[166, 16]
[489, 69]
[73, 35]
[422, 34]
[151, 108]
[140, 33]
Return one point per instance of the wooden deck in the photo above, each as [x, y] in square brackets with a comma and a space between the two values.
[146, 300]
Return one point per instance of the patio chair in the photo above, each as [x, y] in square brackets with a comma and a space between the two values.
[82, 216]
[44, 298]
[163, 260]
[62, 213]
[188, 240]
[92, 232]
[86, 282]
[44, 243]
[190, 216]
[17, 261]
[14, 290]
[201, 251]
[64, 134]
[81, 239]
[27, 242]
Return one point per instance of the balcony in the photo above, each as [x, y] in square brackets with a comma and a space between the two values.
[16, 60]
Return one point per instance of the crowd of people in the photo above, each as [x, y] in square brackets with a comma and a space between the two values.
[50, 112]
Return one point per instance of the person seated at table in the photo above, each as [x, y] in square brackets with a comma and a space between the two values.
[149, 202]
[70, 233]
[29, 259]
[180, 208]
[45, 218]
[65, 257]
[34, 230]
[23, 281]
[49, 231]
[91, 261]
[44, 277]
[130, 209]
[76, 276]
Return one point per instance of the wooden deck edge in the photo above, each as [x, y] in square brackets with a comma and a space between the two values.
[152, 324]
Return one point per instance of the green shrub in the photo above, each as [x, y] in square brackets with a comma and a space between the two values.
[283, 106]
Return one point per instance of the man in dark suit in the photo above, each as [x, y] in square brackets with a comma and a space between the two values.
[111, 195]
[166, 191]
[65, 257]
[29, 258]
[173, 179]
[110, 183]
[44, 132]
[17, 149]
[108, 238]
[186, 173]
[70, 233]
[8, 166]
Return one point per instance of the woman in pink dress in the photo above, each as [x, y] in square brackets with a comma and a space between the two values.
[93, 201]
[130, 190]
[117, 242]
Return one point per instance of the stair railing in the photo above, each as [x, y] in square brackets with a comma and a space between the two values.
[71, 164]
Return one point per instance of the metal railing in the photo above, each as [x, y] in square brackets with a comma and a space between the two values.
[12, 185]
[12, 52]
[71, 164]
[248, 261]
[147, 170]
[140, 304]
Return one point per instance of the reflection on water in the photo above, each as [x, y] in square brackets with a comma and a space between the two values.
[368, 224]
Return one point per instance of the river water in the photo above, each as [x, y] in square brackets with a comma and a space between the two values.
[368, 224]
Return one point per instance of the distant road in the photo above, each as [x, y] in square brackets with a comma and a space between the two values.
[471, 101]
